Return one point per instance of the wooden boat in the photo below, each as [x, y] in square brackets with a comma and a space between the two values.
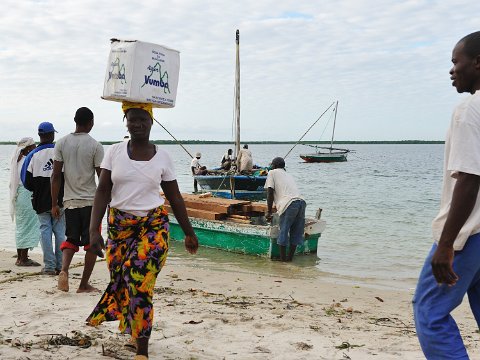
[239, 226]
[229, 184]
[332, 154]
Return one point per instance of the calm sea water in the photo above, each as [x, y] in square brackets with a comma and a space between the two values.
[378, 206]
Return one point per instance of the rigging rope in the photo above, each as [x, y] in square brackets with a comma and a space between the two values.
[174, 138]
[289, 151]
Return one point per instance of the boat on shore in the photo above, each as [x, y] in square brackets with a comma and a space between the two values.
[231, 184]
[239, 226]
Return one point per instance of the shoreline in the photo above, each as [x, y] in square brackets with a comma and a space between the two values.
[203, 313]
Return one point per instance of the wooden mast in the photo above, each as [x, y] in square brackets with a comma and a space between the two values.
[237, 95]
[333, 131]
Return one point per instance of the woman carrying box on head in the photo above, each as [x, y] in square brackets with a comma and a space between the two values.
[138, 227]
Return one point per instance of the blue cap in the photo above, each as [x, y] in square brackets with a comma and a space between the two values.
[46, 127]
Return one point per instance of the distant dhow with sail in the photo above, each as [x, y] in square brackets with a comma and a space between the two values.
[329, 154]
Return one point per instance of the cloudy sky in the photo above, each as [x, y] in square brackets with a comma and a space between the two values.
[386, 61]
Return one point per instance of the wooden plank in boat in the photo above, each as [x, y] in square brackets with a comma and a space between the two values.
[220, 208]
[241, 221]
[201, 214]
[257, 207]
[214, 200]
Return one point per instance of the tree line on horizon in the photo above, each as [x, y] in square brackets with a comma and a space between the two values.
[266, 142]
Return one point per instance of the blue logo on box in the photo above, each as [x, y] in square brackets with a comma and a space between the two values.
[117, 71]
[152, 80]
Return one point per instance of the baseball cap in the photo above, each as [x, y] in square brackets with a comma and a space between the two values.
[198, 155]
[46, 127]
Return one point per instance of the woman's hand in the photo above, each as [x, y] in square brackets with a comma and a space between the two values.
[97, 244]
[191, 243]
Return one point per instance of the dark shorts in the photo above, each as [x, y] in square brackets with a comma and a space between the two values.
[78, 224]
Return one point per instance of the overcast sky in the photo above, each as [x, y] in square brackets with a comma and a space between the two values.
[386, 62]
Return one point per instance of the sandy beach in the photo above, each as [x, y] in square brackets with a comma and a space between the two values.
[207, 314]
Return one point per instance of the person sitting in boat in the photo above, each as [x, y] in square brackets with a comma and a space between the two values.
[197, 169]
[283, 191]
[227, 159]
[244, 160]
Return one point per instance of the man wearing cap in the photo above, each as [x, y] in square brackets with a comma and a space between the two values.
[197, 169]
[282, 189]
[80, 156]
[35, 175]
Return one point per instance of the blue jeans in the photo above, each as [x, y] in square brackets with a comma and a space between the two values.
[292, 224]
[52, 258]
[432, 304]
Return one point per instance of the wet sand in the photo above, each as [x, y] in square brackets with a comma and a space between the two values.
[204, 313]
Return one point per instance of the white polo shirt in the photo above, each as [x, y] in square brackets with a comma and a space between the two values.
[462, 154]
[286, 189]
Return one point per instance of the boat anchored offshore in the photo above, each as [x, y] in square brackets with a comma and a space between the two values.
[229, 184]
[331, 154]
[239, 226]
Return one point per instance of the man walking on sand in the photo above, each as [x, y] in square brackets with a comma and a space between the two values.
[35, 176]
[452, 268]
[282, 189]
[80, 156]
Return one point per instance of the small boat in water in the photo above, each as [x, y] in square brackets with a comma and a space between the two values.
[331, 154]
[239, 226]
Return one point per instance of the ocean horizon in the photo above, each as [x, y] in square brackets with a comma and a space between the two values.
[378, 207]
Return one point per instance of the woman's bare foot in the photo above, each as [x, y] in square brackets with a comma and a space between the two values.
[88, 288]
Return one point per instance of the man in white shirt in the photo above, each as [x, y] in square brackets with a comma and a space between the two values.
[452, 268]
[227, 159]
[244, 160]
[197, 169]
[283, 191]
[80, 156]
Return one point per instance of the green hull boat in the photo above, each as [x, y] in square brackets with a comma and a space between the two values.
[252, 239]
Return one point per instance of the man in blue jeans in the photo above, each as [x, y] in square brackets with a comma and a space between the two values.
[452, 268]
[35, 175]
[283, 191]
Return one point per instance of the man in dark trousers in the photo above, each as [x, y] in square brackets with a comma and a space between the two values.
[452, 268]
[283, 191]
[35, 175]
[80, 156]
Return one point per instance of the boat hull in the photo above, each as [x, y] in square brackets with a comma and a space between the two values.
[324, 158]
[260, 240]
[233, 186]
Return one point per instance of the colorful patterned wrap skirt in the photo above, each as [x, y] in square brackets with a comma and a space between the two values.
[136, 251]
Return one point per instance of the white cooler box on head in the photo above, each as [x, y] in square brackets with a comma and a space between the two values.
[138, 71]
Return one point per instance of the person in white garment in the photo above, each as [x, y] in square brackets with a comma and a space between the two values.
[27, 227]
[283, 191]
[197, 169]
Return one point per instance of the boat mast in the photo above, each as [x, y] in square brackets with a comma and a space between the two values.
[237, 95]
[333, 131]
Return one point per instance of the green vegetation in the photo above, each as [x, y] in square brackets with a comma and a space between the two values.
[202, 142]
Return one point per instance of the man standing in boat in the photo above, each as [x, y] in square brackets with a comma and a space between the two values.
[452, 268]
[244, 160]
[197, 169]
[283, 191]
